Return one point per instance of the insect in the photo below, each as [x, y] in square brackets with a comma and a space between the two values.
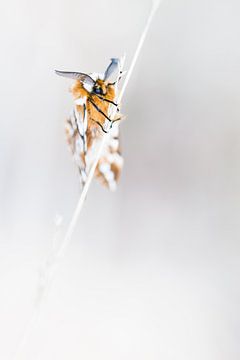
[94, 99]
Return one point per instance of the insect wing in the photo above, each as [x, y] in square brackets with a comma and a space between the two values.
[111, 162]
[76, 129]
[112, 68]
[84, 78]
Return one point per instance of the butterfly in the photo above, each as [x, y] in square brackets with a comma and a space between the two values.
[94, 99]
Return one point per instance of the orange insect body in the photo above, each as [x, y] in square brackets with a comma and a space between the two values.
[108, 91]
[93, 101]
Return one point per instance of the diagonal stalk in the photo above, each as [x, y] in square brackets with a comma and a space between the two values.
[53, 261]
[98, 155]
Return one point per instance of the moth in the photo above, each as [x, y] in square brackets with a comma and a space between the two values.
[94, 99]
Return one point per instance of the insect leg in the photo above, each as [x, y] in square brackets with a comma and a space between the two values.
[109, 101]
[99, 110]
[113, 121]
[97, 122]
[121, 73]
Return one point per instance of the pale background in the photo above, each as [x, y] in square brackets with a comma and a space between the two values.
[153, 270]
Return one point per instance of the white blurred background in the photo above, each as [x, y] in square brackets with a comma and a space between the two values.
[153, 269]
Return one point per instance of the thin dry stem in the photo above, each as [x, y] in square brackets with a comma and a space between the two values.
[98, 155]
[51, 265]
